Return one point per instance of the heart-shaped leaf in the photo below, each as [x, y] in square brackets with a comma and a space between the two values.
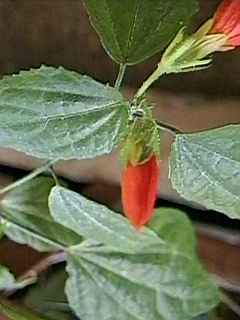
[58, 114]
[163, 283]
[132, 31]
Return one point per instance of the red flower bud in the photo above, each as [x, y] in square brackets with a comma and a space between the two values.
[227, 21]
[139, 191]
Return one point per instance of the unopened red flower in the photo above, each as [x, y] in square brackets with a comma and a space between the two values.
[139, 190]
[193, 52]
[227, 21]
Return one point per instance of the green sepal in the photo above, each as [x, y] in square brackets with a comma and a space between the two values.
[190, 52]
[142, 138]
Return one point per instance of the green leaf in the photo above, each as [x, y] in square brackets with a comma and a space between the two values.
[14, 312]
[97, 289]
[97, 222]
[2, 228]
[173, 226]
[165, 283]
[25, 210]
[9, 282]
[54, 113]
[47, 296]
[132, 31]
[7, 279]
[205, 168]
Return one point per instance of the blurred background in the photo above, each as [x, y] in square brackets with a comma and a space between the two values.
[58, 32]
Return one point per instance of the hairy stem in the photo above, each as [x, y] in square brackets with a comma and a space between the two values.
[55, 178]
[153, 77]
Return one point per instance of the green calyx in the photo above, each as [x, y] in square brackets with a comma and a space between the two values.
[142, 139]
[187, 53]
[191, 53]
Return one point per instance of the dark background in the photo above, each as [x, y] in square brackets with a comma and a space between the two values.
[57, 32]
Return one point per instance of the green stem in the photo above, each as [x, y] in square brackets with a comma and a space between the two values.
[153, 77]
[164, 127]
[30, 176]
[32, 274]
[121, 73]
[55, 178]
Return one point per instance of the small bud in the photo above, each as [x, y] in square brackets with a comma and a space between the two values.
[140, 154]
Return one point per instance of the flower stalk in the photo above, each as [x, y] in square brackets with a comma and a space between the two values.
[193, 52]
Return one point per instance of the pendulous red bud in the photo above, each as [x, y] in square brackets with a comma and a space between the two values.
[139, 191]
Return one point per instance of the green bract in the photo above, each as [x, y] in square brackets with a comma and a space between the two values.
[191, 52]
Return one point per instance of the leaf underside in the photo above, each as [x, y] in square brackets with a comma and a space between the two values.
[205, 168]
[120, 274]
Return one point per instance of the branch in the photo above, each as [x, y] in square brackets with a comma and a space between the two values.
[30, 176]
